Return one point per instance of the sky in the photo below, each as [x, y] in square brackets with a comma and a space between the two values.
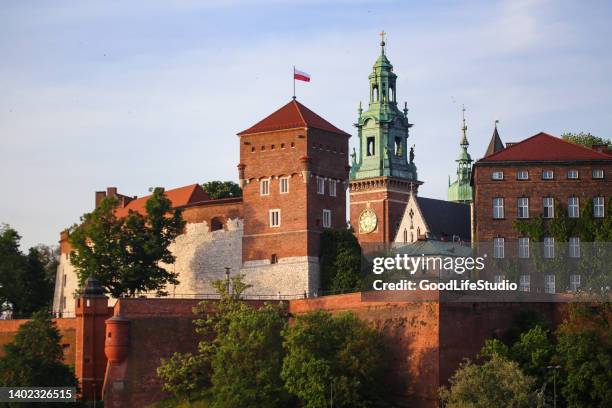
[137, 94]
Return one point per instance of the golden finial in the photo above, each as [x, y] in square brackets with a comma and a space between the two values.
[382, 38]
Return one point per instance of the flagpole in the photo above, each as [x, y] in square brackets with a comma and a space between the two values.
[294, 82]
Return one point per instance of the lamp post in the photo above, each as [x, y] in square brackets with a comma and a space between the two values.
[227, 278]
[554, 368]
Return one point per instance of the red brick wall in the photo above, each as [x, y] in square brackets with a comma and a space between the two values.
[66, 327]
[223, 209]
[388, 203]
[284, 153]
[535, 188]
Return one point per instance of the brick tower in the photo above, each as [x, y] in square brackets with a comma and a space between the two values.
[91, 313]
[293, 171]
[384, 174]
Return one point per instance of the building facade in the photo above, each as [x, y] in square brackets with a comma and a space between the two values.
[528, 179]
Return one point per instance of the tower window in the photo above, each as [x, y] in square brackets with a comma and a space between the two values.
[371, 150]
[274, 259]
[398, 146]
[284, 185]
[320, 185]
[275, 218]
[391, 94]
[375, 94]
[326, 218]
[332, 188]
[264, 187]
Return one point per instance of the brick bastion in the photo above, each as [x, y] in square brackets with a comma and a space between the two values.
[428, 339]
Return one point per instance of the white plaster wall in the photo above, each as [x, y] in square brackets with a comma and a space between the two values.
[418, 222]
[201, 257]
[290, 277]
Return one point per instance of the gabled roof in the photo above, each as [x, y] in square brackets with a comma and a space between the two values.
[445, 218]
[544, 147]
[179, 197]
[292, 115]
[495, 145]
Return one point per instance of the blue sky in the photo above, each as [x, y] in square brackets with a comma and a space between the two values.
[137, 94]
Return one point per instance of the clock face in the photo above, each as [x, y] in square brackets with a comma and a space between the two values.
[367, 221]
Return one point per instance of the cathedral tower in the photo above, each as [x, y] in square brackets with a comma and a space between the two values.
[383, 174]
[460, 191]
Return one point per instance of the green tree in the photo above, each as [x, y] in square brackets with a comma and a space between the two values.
[585, 351]
[339, 357]
[25, 286]
[125, 254]
[584, 139]
[340, 261]
[222, 189]
[35, 357]
[247, 363]
[497, 382]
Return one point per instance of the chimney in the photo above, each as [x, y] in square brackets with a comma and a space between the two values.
[100, 195]
[111, 191]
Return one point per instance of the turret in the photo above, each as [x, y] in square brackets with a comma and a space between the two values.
[461, 191]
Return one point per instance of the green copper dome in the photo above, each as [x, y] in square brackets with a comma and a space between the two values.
[383, 129]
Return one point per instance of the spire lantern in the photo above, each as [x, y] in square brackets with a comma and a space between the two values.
[461, 190]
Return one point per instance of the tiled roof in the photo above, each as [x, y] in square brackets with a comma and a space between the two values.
[179, 197]
[544, 147]
[495, 145]
[446, 218]
[292, 115]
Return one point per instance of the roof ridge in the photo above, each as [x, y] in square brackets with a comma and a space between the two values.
[515, 144]
[297, 106]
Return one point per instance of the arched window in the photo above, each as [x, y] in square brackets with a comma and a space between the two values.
[375, 93]
[370, 148]
[216, 224]
[412, 237]
[391, 94]
[405, 235]
[398, 146]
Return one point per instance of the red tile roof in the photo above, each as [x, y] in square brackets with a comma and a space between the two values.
[544, 147]
[179, 197]
[292, 115]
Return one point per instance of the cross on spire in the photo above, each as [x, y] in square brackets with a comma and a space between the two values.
[382, 39]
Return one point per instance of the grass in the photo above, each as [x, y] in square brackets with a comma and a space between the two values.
[204, 401]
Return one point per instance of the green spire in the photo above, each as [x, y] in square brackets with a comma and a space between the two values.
[461, 190]
[382, 128]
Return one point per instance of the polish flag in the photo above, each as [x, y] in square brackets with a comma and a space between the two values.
[301, 75]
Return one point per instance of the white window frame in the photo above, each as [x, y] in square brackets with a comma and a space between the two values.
[598, 174]
[275, 223]
[549, 284]
[283, 182]
[498, 248]
[525, 283]
[522, 175]
[523, 246]
[573, 207]
[574, 247]
[498, 208]
[599, 209]
[575, 282]
[572, 174]
[497, 175]
[523, 207]
[264, 187]
[327, 220]
[548, 203]
[548, 175]
[320, 185]
[549, 247]
[332, 188]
